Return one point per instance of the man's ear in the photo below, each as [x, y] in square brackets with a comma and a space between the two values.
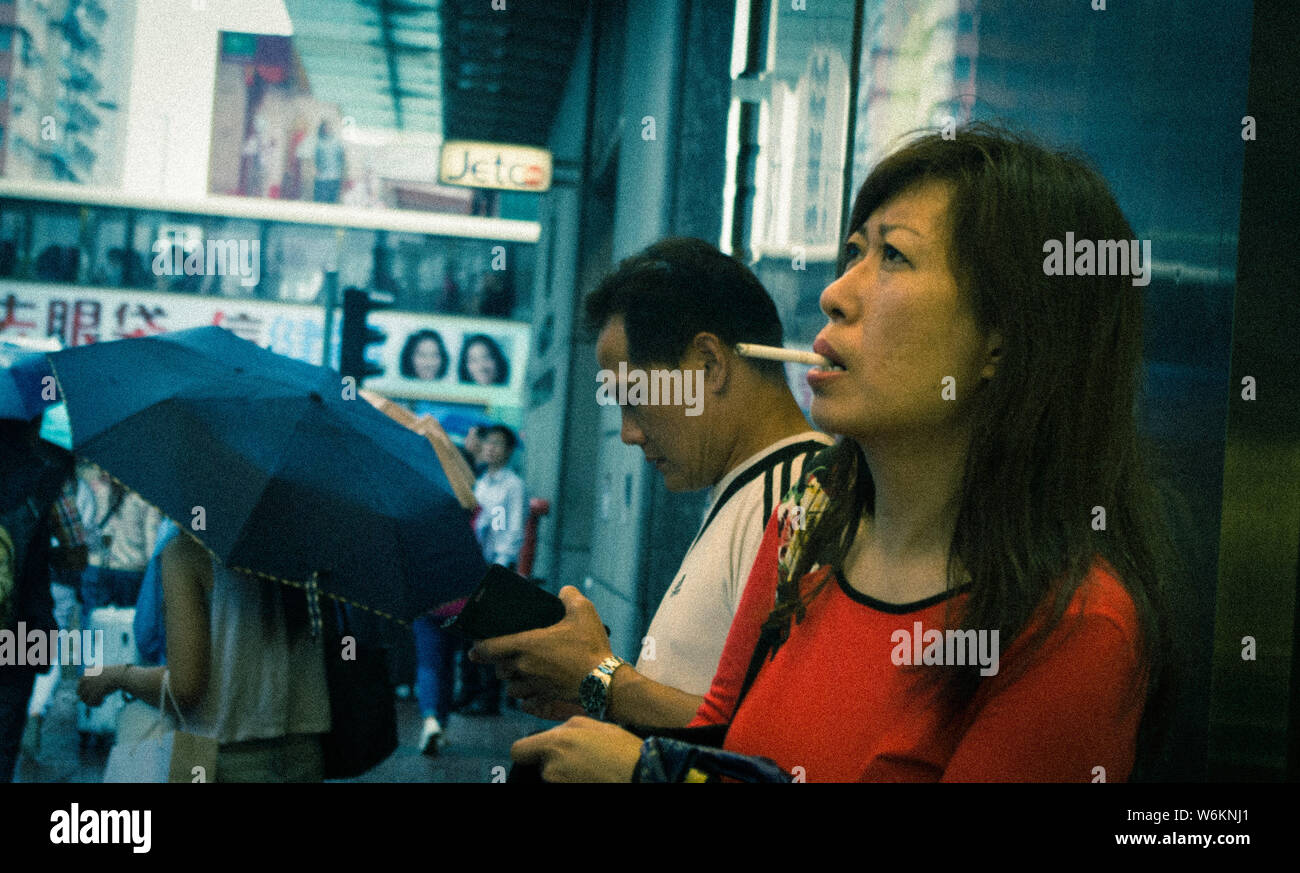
[992, 355]
[710, 354]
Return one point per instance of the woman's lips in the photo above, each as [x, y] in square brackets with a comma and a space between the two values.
[819, 377]
[825, 349]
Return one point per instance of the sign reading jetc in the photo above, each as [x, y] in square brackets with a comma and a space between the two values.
[494, 165]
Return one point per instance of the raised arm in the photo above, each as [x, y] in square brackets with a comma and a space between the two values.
[187, 573]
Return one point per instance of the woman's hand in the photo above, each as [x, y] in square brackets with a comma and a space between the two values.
[581, 750]
[93, 689]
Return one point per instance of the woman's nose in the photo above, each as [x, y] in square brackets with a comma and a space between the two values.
[836, 300]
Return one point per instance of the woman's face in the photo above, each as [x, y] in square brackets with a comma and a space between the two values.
[427, 359]
[478, 361]
[909, 345]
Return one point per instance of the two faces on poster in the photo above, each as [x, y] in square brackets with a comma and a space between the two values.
[481, 360]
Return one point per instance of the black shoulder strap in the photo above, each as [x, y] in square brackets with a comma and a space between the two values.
[761, 651]
[767, 640]
[764, 467]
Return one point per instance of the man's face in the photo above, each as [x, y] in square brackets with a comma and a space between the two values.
[495, 450]
[679, 446]
[474, 442]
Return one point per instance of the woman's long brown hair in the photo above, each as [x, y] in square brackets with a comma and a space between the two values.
[1055, 434]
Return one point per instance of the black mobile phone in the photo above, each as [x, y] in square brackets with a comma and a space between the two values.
[505, 603]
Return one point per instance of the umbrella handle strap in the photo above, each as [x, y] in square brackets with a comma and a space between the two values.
[165, 694]
[313, 605]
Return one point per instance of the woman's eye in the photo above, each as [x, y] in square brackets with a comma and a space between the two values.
[892, 255]
[852, 252]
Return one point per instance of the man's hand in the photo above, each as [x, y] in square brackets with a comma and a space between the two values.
[548, 665]
[581, 750]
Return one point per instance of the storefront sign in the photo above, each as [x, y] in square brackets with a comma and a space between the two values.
[493, 165]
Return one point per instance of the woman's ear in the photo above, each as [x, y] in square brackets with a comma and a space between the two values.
[992, 355]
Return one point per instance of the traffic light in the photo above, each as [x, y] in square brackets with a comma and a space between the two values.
[357, 334]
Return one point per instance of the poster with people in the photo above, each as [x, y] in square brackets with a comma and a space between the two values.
[465, 360]
[441, 358]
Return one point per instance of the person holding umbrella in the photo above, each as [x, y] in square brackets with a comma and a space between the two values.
[242, 666]
[278, 475]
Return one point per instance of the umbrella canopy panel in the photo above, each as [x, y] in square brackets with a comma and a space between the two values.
[268, 464]
[22, 387]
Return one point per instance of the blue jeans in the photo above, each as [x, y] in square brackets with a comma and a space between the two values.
[435, 671]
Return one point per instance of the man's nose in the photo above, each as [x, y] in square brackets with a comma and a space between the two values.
[631, 434]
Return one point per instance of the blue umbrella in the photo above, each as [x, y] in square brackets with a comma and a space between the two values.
[266, 461]
[54, 426]
[23, 393]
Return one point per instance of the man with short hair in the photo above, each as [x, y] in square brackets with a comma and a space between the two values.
[679, 305]
[500, 495]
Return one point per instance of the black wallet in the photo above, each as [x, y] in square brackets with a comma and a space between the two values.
[505, 603]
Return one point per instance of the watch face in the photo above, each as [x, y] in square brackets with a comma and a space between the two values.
[591, 694]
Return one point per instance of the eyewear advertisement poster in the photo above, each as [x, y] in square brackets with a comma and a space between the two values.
[451, 359]
[462, 360]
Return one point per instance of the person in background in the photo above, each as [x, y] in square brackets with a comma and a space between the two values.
[258, 156]
[681, 304]
[125, 527]
[435, 680]
[242, 665]
[67, 564]
[499, 526]
[500, 495]
[32, 476]
[150, 619]
[328, 163]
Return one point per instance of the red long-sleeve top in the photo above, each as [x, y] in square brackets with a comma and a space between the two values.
[834, 704]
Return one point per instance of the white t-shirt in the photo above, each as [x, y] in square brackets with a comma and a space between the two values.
[501, 517]
[684, 643]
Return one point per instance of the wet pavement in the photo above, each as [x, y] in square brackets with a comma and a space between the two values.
[477, 748]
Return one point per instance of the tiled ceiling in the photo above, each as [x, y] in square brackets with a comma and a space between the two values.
[456, 68]
[504, 70]
[379, 60]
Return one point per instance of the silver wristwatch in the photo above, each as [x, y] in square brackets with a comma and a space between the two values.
[593, 693]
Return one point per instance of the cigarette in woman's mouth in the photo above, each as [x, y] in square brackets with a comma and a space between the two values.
[776, 353]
